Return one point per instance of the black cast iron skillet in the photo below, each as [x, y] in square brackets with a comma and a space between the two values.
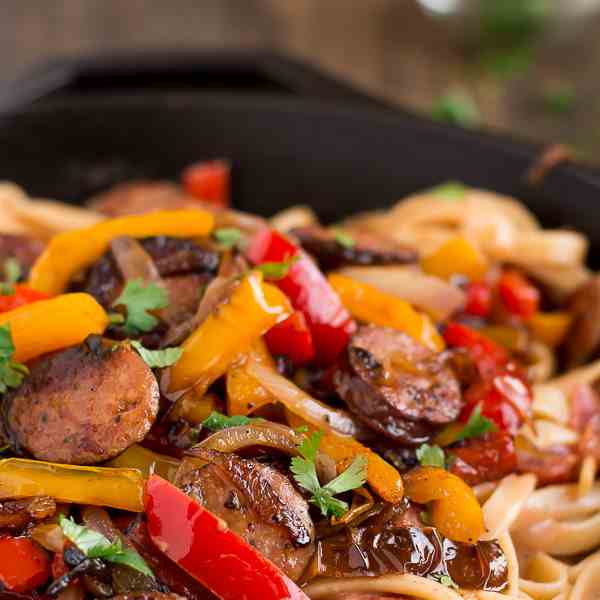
[74, 127]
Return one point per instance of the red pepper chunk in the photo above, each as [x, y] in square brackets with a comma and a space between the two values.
[292, 338]
[201, 544]
[23, 295]
[208, 181]
[479, 299]
[23, 564]
[518, 295]
[309, 291]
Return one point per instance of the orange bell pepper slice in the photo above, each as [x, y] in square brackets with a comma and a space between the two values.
[254, 307]
[457, 256]
[371, 305]
[550, 327]
[69, 253]
[455, 511]
[99, 486]
[383, 478]
[244, 393]
[49, 325]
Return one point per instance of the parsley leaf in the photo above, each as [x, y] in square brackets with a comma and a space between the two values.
[476, 426]
[301, 429]
[217, 421]
[458, 108]
[277, 270]
[430, 456]
[443, 579]
[343, 239]
[138, 298]
[12, 274]
[228, 236]
[95, 545]
[157, 359]
[451, 191]
[11, 373]
[305, 473]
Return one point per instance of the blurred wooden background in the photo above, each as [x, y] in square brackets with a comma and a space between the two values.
[388, 47]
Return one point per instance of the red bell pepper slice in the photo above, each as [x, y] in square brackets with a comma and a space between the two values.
[479, 299]
[292, 338]
[23, 564]
[23, 295]
[330, 324]
[518, 295]
[208, 181]
[201, 544]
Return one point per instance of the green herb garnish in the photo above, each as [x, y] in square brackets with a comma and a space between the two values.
[431, 456]
[12, 274]
[158, 359]
[451, 191]
[95, 545]
[138, 299]
[444, 580]
[458, 108]
[228, 236]
[559, 100]
[343, 239]
[305, 473]
[11, 373]
[277, 270]
[217, 421]
[476, 426]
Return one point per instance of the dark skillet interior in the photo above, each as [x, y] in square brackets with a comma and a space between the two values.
[285, 148]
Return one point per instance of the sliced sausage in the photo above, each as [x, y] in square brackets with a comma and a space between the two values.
[83, 405]
[24, 249]
[16, 514]
[258, 503]
[583, 339]
[398, 387]
[365, 249]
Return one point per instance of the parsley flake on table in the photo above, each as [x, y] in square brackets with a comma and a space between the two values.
[138, 299]
[12, 274]
[305, 473]
[11, 373]
[217, 421]
[476, 426]
[95, 545]
[431, 456]
[157, 359]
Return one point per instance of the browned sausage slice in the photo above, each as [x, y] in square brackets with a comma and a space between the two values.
[83, 405]
[398, 387]
[365, 249]
[258, 503]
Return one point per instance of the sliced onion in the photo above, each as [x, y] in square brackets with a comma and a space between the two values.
[301, 404]
[259, 433]
[49, 536]
[133, 261]
[431, 294]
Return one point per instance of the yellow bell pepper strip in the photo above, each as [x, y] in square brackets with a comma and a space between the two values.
[455, 511]
[550, 327]
[244, 393]
[69, 253]
[193, 407]
[99, 486]
[370, 305]
[49, 325]
[381, 476]
[457, 256]
[254, 307]
[146, 462]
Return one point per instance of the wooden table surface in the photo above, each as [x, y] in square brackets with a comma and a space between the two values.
[388, 47]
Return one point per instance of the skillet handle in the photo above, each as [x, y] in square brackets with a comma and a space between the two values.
[257, 72]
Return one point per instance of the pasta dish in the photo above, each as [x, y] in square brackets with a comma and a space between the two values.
[203, 403]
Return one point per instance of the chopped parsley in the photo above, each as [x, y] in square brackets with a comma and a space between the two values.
[301, 429]
[228, 237]
[95, 545]
[138, 299]
[12, 274]
[158, 359]
[451, 191]
[559, 100]
[443, 579]
[431, 456]
[343, 239]
[217, 421]
[476, 426]
[458, 108]
[277, 270]
[305, 473]
[11, 373]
